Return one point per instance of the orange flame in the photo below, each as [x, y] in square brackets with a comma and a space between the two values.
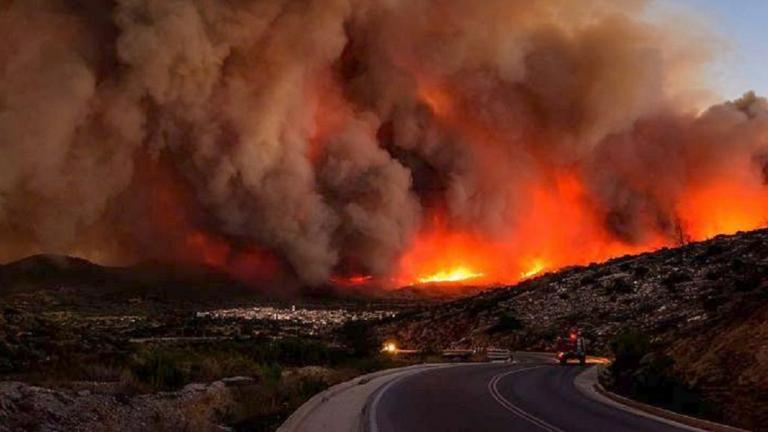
[455, 274]
[442, 255]
[537, 266]
[351, 280]
[558, 228]
[724, 206]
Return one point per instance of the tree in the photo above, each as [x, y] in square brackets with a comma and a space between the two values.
[359, 337]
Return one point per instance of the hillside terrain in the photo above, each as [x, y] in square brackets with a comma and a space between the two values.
[64, 282]
[703, 305]
[703, 308]
[158, 346]
[49, 282]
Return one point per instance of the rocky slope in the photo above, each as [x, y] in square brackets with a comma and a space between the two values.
[196, 407]
[239, 403]
[704, 304]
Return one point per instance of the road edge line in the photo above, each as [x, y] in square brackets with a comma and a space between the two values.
[297, 418]
[654, 412]
[665, 413]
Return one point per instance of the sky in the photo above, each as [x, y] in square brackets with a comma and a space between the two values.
[743, 25]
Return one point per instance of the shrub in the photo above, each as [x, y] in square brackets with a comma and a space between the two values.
[224, 364]
[628, 348]
[748, 281]
[641, 272]
[506, 323]
[711, 251]
[271, 374]
[305, 388]
[589, 279]
[102, 373]
[372, 364]
[649, 376]
[619, 286]
[674, 278]
[712, 275]
[737, 265]
[160, 370]
[359, 338]
[712, 303]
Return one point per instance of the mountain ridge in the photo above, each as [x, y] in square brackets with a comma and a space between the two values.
[72, 282]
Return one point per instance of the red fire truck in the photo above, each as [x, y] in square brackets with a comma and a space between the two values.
[571, 347]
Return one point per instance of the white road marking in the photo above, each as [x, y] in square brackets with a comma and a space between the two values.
[493, 388]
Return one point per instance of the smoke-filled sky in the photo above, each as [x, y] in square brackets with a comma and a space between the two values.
[356, 140]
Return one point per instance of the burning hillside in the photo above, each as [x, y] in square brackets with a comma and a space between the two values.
[704, 304]
[366, 141]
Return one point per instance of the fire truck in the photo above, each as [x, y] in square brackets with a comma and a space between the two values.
[571, 347]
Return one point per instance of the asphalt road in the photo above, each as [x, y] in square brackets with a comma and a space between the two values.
[532, 395]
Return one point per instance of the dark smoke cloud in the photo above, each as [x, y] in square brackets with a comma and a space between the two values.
[326, 131]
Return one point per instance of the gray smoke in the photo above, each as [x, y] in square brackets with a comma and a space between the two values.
[326, 131]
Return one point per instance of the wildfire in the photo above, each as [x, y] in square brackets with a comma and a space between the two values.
[510, 192]
[536, 267]
[723, 207]
[351, 280]
[441, 254]
[457, 274]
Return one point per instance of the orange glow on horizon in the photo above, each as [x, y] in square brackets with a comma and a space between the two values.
[723, 207]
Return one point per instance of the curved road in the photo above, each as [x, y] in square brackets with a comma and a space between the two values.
[533, 395]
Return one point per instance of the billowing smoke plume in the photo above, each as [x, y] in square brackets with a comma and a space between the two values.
[363, 137]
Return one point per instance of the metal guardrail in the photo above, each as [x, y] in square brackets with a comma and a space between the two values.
[498, 354]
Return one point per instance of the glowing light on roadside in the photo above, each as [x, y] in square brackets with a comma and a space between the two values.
[390, 348]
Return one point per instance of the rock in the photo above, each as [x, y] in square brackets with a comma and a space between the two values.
[238, 381]
[195, 387]
[11, 390]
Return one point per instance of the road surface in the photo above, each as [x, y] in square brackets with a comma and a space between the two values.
[532, 395]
